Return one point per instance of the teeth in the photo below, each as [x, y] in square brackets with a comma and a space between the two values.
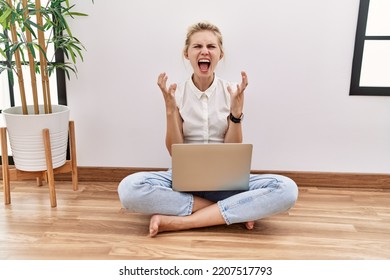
[204, 60]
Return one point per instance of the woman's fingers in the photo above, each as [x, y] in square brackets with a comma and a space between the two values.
[244, 81]
[172, 88]
[162, 81]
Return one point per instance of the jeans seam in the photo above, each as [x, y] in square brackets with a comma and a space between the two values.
[190, 205]
[222, 210]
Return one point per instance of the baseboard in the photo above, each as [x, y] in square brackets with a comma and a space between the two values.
[302, 178]
[104, 174]
[336, 179]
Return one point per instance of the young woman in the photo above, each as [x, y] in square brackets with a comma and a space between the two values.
[204, 109]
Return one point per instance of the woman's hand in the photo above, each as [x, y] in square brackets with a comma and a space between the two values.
[237, 97]
[168, 93]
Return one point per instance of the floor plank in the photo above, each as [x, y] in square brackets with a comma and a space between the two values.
[326, 223]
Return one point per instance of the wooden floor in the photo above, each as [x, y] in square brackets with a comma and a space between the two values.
[326, 223]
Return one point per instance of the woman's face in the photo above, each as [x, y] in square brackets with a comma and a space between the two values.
[204, 53]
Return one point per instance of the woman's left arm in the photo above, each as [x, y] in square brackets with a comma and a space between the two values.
[234, 131]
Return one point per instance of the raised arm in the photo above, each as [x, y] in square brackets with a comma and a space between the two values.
[234, 132]
[174, 130]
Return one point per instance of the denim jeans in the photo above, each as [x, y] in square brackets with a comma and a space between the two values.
[151, 193]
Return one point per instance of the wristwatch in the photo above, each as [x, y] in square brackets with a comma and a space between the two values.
[234, 119]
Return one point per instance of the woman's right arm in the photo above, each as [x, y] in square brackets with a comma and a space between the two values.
[174, 132]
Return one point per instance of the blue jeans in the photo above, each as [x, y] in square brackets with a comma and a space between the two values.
[151, 193]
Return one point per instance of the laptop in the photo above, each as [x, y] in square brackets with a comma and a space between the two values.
[211, 167]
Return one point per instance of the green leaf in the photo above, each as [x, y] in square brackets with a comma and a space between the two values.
[4, 17]
[3, 53]
[78, 14]
[30, 46]
[27, 25]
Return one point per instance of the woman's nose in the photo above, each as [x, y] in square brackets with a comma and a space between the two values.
[204, 50]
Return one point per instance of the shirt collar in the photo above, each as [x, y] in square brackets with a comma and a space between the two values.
[208, 91]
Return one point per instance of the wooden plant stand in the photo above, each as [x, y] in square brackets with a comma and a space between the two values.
[15, 174]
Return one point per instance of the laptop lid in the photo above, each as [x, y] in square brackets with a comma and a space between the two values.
[211, 167]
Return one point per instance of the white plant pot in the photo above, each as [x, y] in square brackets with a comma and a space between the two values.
[26, 138]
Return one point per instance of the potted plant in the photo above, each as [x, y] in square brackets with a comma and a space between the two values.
[31, 34]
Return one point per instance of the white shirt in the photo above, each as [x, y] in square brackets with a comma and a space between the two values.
[204, 114]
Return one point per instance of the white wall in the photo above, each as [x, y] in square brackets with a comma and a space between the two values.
[298, 56]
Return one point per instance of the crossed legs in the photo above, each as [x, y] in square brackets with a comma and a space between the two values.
[205, 213]
[151, 193]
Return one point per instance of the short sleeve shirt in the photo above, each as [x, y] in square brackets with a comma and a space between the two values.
[205, 114]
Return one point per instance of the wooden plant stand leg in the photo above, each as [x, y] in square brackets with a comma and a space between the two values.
[49, 167]
[4, 159]
[73, 159]
[39, 181]
[48, 174]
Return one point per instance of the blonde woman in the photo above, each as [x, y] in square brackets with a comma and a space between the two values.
[151, 192]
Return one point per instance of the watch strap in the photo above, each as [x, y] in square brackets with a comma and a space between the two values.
[234, 119]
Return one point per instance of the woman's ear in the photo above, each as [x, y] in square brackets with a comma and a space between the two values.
[221, 56]
[185, 54]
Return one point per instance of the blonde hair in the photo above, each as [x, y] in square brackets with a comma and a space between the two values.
[203, 26]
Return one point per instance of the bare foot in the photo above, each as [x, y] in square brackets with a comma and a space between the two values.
[250, 225]
[154, 225]
[160, 223]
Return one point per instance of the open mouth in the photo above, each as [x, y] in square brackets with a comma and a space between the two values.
[204, 65]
